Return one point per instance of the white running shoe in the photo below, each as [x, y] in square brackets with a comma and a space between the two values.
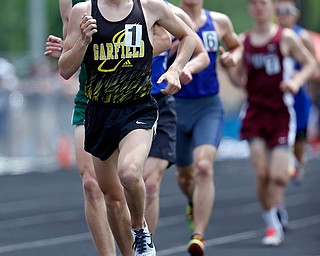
[143, 243]
[273, 237]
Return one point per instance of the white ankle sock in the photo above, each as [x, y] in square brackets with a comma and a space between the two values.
[271, 219]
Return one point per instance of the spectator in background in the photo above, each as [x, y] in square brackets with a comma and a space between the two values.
[8, 83]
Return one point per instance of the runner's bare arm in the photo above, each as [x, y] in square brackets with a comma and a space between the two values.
[161, 40]
[175, 26]
[65, 10]
[200, 59]
[291, 45]
[308, 42]
[81, 27]
[234, 48]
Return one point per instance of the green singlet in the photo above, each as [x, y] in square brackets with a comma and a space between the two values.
[80, 99]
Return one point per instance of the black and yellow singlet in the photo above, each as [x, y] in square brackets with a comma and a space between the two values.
[119, 58]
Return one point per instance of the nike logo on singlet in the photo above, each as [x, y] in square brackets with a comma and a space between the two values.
[138, 122]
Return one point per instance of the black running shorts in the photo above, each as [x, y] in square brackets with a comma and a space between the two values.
[164, 144]
[106, 124]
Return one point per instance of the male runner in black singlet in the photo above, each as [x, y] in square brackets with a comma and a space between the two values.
[115, 44]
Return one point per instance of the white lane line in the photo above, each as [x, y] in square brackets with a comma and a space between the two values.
[45, 242]
[249, 208]
[213, 242]
[33, 204]
[41, 219]
[172, 220]
[294, 224]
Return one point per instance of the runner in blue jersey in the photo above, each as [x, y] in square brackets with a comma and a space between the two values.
[162, 152]
[200, 120]
[287, 14]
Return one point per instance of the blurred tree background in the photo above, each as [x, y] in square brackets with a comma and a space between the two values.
[19, 17]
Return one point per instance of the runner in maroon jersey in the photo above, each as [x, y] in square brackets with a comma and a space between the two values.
[268, 118]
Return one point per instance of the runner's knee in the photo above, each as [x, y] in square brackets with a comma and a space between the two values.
[90, 186]
[130, 176]
[204, 169]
